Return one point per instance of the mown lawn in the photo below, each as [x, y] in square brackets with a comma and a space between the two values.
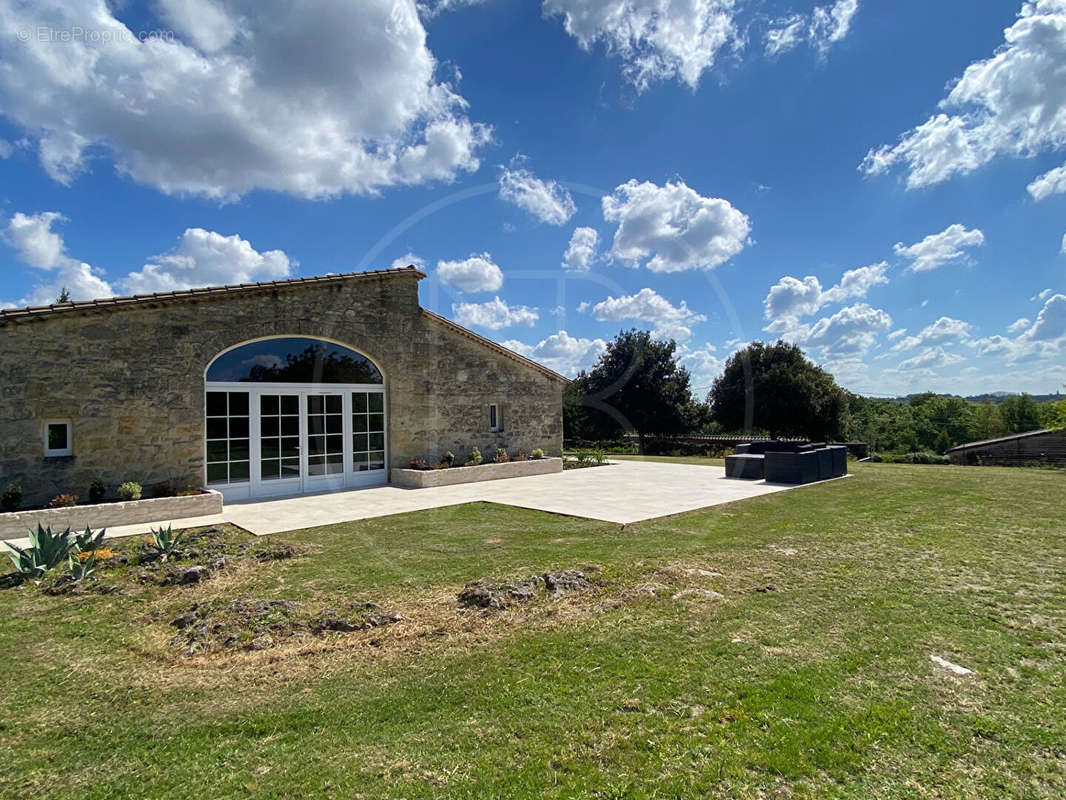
[810, 677]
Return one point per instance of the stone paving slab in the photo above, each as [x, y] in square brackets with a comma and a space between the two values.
[622, 492]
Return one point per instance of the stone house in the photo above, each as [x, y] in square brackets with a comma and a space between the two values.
[263, 389]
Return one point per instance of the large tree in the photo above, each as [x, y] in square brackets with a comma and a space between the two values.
[775, 388]
[638, 386]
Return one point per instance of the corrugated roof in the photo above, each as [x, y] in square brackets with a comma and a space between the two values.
[494, 345]
[107, 303]
[1012, 437]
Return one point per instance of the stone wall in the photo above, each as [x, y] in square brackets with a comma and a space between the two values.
[109, 515]
[453, 476]
[131, 380]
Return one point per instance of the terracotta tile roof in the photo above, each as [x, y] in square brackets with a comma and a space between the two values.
[499, 348]
[34, 312]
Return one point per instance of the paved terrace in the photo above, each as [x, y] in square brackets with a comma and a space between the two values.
[622, 492]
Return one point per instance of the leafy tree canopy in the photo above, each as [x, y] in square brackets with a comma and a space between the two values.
[774, 387]
[637, 386]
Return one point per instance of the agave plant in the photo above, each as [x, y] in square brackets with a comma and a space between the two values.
[45, 551]
[84, 542]
[80, 570]
[165, 541]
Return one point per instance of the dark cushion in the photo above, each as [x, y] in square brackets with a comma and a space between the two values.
[740, 449]
[745, 465]
[800, 467]
[825, 463]
[772, 446]
[840, 459]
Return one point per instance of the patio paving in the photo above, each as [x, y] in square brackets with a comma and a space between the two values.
[622, 492]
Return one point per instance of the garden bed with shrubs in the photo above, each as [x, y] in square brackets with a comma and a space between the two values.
[448, 471]
[66, 561]
[126, 507]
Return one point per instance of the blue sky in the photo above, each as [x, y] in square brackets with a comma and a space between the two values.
[883, 184]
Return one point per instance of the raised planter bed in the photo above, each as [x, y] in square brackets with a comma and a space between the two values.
[15, 524]
[424, 478]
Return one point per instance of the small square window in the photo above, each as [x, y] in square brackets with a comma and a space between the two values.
[57, 438]
[495, 422]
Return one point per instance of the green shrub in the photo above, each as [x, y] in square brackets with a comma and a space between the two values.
[164, 489]
[475, 458]
[501, 456]
[165, 541]
[64, 500]
[80, 570]
[448, 458]
[45, 551]
[88, 541]
[130, 490]
[97, 490]
[11, 498]
[537, 453]
[590, 457]
[920, 457]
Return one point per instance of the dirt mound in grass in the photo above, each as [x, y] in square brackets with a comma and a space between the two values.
[501, 593]
[259, 624]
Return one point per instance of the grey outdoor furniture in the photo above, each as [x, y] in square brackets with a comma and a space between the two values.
[787, 462]
[807, 466]
[746, 465]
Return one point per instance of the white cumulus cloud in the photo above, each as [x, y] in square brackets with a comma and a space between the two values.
[1051, 182]
[493, 314]
[581, 252]
[930, 357]
[656, 40]
[672, 228]
[703, 365]
[408, 260]
[37, 245]
[562, 352]
[546, 200]
[309, 99]
[790, 298]
[822, 28]
[647, 305]
[938, 249]
[477, 273]
[852, 330]
[206, 258]
[1019, 325]
[946, 330]
[1050, 323]
[1012, 103]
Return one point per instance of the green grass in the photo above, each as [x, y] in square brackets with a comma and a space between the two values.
[819, 687]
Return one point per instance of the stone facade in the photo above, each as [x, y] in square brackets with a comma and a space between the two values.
[129, 374]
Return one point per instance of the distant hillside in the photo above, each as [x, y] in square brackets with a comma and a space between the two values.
[999, 397]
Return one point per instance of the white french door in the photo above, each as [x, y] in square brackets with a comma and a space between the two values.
[270, 440]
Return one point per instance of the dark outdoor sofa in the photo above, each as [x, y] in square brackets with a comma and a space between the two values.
[787, 462]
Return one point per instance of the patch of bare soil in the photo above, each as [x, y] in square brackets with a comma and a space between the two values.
[260, 624]
[263, 641]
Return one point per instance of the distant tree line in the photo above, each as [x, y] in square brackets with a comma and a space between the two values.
[640, 387]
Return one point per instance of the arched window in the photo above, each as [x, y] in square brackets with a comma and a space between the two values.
[294, 359]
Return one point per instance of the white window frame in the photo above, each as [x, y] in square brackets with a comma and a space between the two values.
[494, 411]
[255, 486]
[62, 451]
